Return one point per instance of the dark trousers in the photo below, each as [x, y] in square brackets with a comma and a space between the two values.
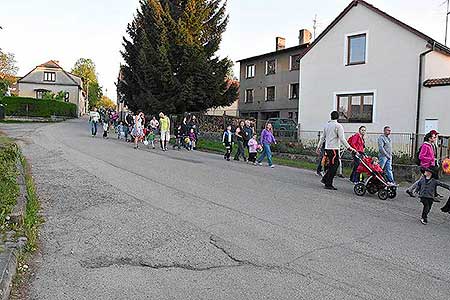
[354, 176]
[228, 150]
[427, 203]
[446, 207]
[178, 143]
[252, 157]
[240, 151]
[333, 165]
[319, 165]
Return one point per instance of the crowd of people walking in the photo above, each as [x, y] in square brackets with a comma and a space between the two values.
[135, 128]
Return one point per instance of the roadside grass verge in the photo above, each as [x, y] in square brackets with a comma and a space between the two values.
[217, 147]
[9, 189]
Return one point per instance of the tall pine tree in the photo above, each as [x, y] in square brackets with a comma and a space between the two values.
[171, 62]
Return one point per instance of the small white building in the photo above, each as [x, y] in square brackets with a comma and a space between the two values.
[372, 68]
[50, 77]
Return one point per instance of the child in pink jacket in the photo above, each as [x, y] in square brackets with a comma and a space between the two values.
[252, 149]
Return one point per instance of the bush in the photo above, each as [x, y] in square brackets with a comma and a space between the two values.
[30, 107]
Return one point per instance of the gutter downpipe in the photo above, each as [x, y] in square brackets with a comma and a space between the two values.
[419, 97]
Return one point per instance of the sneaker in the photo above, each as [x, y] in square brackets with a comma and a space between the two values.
[272, 166]
[424, 221]
[319, 174]
[411, 194]
[259, 164]
[228, 159]
[340, 176]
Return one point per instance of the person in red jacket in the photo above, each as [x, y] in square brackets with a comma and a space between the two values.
[357, 141]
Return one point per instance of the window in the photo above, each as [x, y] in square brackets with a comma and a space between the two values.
[271, 66]
[293, 91]
[250, 71]
[356, 108]
[295, 62]
[270, 93]
[249, 96]
[40, 94]
[50, 76]
[356, 49]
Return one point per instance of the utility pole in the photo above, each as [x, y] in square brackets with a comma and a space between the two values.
[446, 21]
[315, 26]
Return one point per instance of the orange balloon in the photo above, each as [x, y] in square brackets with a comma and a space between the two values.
[446, 165]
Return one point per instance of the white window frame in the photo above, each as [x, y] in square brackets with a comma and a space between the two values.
[374, 104]
[366, 32]
[52, 75]
[267, 66]
[245, 96]
[289, 91]
[274, 96]
[246, 71]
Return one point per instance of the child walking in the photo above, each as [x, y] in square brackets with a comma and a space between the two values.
[105, 129]
[178, 138]
[253, 149]
[121, 131]
[192, 139]
[426, 188]
[227, 141]
[151, 138]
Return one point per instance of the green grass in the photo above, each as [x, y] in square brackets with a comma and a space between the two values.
[32, 219]
[9, 189]
[217, 147]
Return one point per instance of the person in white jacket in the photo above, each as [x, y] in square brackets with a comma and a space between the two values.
[333, 135]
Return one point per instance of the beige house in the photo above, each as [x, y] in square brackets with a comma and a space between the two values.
[376, 71]
[50, 77]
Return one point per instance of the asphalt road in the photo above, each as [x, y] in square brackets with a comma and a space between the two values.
[144, 224]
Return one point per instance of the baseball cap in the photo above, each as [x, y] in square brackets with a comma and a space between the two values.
[434, 132]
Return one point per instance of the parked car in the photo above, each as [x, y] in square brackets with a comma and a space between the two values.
[283, 127]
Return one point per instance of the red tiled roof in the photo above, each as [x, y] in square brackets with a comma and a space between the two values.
[51, 64]
[437, 82]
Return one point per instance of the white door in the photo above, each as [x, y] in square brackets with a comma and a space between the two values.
[431, 124]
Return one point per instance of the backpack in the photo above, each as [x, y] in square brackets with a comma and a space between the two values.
[417, 159]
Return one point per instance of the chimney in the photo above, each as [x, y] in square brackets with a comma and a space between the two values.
[280, 43]
[304, 36]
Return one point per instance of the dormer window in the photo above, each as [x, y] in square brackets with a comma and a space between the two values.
[356, 49]
[50, 76]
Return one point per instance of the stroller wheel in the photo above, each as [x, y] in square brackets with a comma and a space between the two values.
[372, 189]
[360, 189]
[392, 193]
[383, 194]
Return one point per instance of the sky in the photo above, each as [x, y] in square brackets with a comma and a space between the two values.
[40, 30]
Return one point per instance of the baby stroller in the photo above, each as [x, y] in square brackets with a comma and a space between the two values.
[375, 182]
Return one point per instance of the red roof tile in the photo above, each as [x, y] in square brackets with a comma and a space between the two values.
[51, 64]
[437, 82]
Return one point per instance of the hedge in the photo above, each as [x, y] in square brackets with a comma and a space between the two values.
[30, 107]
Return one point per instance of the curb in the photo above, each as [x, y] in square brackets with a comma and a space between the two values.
[8, 255]
[8, 272]
[19, 209]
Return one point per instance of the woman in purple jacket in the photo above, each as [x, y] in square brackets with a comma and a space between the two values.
[267, 139]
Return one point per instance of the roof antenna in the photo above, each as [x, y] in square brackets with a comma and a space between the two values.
[446, 21]
[315, 26]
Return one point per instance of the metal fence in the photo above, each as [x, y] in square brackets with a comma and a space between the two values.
[403, 144]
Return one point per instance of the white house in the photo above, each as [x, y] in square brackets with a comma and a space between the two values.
[372, 68]
[50, 77]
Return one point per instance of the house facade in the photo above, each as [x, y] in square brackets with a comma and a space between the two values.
[372, 68]
[269, 86]
[50, 77]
